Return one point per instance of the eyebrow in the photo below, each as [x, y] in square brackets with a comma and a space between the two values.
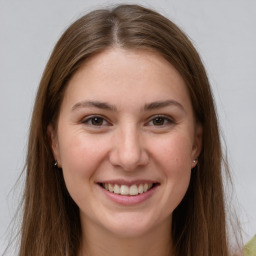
[162, 104]
[110, 107]
[95, 104]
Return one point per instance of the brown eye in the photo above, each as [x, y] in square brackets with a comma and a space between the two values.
[159, 121]
[95, 121]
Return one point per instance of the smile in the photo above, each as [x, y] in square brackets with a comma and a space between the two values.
[126, 190]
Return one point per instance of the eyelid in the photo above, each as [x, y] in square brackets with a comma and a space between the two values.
[85, 120]
[169, 119]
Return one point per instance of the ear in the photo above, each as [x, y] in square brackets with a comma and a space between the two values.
[198, 141]
[53, 140]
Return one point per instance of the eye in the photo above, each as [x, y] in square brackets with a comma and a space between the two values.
[160, 121]
[95, 121]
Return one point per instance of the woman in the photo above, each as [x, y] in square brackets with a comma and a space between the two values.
[124, 154]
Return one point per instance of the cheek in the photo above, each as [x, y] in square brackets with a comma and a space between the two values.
[174, 160]
[175, 152]
[176, 163]
[81, 155]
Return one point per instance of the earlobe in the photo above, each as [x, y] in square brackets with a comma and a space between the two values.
[53, 140]
[198, 141]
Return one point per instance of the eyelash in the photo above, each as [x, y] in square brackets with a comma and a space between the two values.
[167, 120]
[103, 122]
[88, 121]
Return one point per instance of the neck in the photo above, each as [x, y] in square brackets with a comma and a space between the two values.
[98, 242]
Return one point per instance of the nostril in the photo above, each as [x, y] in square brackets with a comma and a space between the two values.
[128, 154]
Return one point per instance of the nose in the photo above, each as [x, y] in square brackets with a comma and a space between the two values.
[128, 151]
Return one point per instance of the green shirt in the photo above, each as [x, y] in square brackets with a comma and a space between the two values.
[250, 247]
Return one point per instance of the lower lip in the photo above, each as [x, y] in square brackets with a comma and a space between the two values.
[129, 200]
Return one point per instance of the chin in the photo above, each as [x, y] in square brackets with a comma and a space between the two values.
[132, 226]
[129, 232]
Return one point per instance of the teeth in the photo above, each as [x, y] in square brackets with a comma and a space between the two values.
[110, 188]
[141, 188]
[116, 189]
[145, 188]
[124, 190]
[133, 190]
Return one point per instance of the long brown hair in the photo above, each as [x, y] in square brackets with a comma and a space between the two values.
[51, 224]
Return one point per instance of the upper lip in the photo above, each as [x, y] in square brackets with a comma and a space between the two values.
[127, 182]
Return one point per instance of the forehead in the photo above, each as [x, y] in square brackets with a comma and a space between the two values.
[121, 76]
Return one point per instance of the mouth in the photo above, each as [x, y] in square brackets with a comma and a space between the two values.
[128, 190]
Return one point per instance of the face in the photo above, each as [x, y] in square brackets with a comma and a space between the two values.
[126, 139]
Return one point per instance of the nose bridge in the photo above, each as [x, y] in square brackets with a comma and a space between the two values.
[129, 152]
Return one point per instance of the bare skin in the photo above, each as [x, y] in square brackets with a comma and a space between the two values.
[104, 244]
[126, 120]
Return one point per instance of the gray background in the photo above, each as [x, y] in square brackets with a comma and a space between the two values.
[223, 31]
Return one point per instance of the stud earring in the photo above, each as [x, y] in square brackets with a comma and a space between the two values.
[55, 163]
[195, 160]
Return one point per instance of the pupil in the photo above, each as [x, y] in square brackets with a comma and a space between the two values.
[97, 121]
[158, 121]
